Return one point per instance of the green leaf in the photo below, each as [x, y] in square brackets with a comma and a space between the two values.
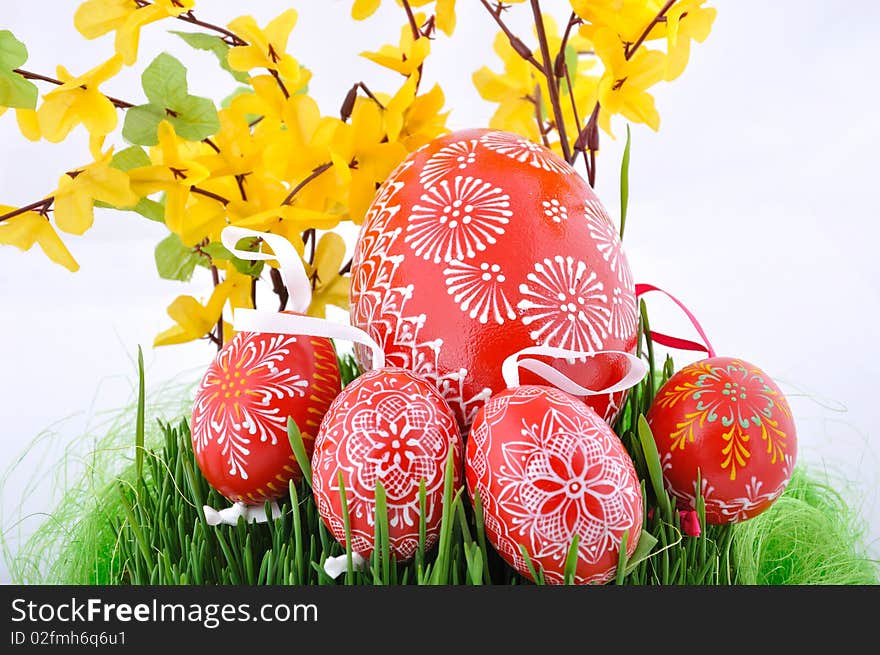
[175, 261]
[141, 124]
[196, 118]
[164, 81]
[246, 267]
[129, 158]
[15, 91]
[624, 181]
[215, 45]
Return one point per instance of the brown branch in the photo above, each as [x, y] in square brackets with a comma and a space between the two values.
[279, 289]
[552, 87]
[41, 205]
[218, 332]
[559, 64]
[121, 104]
[410, 16]
[231, 38]
[661, 15]
[209, 194]
[315, 173]
[345, 270]
[515, 42]
[277, 77]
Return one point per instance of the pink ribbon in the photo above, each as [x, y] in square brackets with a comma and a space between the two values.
[676, 342]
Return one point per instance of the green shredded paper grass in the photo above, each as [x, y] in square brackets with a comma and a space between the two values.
[131, 514]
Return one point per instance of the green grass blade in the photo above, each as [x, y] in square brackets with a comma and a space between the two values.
[624, 181]
[571, 561]
[139, 420]
[621, 559]
[655, 472]
[299, 450]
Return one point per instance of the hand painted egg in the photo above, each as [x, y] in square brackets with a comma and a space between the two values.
[549, 469]
[393, 427]
[727, 421]
[239, 418]
[482, 243]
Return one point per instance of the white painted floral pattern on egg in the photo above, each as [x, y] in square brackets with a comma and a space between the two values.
[478, 291]
[525, 151]
[455, 157]
[565, 305]
[457, 220]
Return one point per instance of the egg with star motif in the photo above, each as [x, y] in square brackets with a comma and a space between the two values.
[724, 428]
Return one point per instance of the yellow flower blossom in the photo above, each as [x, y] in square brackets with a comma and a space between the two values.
[685, 21]
[28, 123]
[29, 228]
[267, 48]
[193, 320]
[424, 120]
[623, 86]
[78, 100]
[405, 58]
[330, 288]
[628, 19]
[79, 189]
[95, 18]
[172, 171]
[371, 155]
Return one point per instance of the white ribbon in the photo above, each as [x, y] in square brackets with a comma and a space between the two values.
[252, 320]
[336, 566]
[290, 265]
[512, 364]
[230, 515]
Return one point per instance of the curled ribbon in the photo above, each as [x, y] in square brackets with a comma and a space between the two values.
[512, 364]
[675, 342]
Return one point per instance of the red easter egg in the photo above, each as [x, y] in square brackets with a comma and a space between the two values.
[480, 244]
[391, 426]
[239, 418]
[725, 420]
[548, 468]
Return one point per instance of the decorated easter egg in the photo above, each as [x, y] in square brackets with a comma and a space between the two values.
[725, 422]
[241, 408]
[549, 470]
[392, 427]
[482, 243]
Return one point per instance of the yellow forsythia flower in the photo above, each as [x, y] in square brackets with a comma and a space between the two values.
[95, 18]
[79, 189]
[24, 230]
[330, 288]
[623, 86]
[267, 48]
[405, 58]
[685, 21]
[78, 100]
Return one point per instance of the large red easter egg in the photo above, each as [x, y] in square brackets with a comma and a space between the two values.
[239, 418]
[480, 244]
[726, 421]
[549, 469]
[387, 426]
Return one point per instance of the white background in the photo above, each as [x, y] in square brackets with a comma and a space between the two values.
[754, 204]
